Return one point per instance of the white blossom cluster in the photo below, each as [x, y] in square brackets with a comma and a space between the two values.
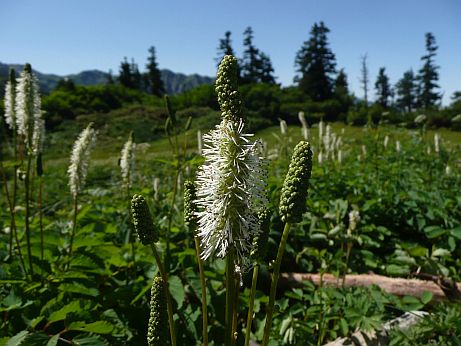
[330, 144]
[79, 159]
[230, 189]
[29, 119]
[9, 102]
[127, 161]
[305, 126]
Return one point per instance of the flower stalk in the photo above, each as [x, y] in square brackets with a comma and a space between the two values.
[292, 206]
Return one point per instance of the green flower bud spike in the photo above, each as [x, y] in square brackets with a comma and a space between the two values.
[190, 208]
[294, 190]
[292, 206]
[190, 219]
[148, 235]
[226, 87]
[261, 240]
[258, 253]
[157, 330]
[142, 220]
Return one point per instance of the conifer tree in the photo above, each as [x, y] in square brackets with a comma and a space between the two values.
[383, 88]
[406, 92]
[225, 47]
[428, 75]
[125, 77]
[341, 91]
[153, 78]
[256, 66]
[135, 75]
[266, 72]
[315, 65]
[364, 78]
[250, 61]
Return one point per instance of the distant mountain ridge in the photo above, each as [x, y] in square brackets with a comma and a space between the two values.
[174, 82]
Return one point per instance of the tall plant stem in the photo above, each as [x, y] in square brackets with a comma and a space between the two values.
[40, 215]
[203, 284]
[170, 217]
[251, 304]
[13, 231]
[348, 254]
[235, 312]
[129, 236]
[74, 226]
[167, 294]
[230, 297]
[275, 279]
[27, 188]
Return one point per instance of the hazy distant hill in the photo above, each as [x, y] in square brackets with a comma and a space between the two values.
[174, 82]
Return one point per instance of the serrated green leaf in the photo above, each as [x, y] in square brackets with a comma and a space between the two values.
[344, 326]
[85, 340]
[62, 313]
[456, 232]
[18, 339]
[434, 231]
[78, 288]
[98, 327]
[53, 340]
[426, 297]
[176, 289]
[441, 253]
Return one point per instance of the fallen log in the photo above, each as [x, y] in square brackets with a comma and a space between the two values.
[396, 286]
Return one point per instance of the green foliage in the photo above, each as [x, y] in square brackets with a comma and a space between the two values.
[315, 65]
[256, 66]
[428, 76]
[443, 327]
[67, 101]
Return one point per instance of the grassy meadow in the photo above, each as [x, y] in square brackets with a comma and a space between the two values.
[407, 196]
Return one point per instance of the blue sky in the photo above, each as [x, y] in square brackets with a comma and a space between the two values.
[64, 37]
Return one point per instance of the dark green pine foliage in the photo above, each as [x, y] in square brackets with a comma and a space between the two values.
[135, 76]
[142, 220]
[294, 191]
[383, 88]
[405, 90]
[152, 78]
[266, 74]
[261, 241]
[428, 75]
[315, 65]
[157, 329]
[190, 208]
[256, 66]
[224, 48]
[341, 92]
[125, 76]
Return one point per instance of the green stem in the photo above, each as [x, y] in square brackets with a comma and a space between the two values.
[251, 304]
[27, 188]
[170, 217]
[235, 311]
[167, 294]
[13, 230]
[203, 284]
[230, 296]
[74, 226]
[275, 279]
[40, 211]
[348, 253]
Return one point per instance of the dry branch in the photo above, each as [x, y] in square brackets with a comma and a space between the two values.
[396, 286]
